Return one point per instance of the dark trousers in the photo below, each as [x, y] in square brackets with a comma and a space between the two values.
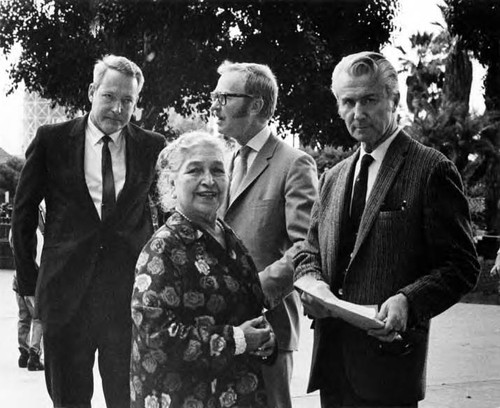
[350, 400]
[336, 390]
[70, 354]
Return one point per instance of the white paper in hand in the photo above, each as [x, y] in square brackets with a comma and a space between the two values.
[358, 315]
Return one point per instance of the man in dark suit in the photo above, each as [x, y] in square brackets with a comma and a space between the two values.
[272, 189]
[95, 174]
[392, 230]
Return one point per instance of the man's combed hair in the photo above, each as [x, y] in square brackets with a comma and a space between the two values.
[260, 82]
[120, 64]
[368, 63]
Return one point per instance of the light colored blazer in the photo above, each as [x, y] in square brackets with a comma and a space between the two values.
[271, 214]
[414, 238]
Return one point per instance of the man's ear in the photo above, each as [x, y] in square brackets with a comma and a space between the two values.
[91, 92]
[396, 98]
[257, 105]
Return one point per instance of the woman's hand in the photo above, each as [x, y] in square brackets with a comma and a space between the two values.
[266, 349]
[258, 334]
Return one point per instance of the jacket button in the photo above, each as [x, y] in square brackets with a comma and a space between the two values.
[340, 291]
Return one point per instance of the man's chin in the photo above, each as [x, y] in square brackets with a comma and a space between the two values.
[362, 135]
[113, 127]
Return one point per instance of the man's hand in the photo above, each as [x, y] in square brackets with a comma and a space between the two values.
[495, 271]
[30, 300]
[314, 308]
[394, 314]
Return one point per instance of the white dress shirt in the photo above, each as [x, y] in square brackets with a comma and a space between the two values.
[378, 156]
[92, 162]
[256, 144]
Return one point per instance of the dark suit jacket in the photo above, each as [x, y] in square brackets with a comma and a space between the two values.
[270, 214]
[414, 238]
[77, 242]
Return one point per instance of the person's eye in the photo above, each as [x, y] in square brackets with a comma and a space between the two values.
[127, 102]
[219, 171]
[193, 170]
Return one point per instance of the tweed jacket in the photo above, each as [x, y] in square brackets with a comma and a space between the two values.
[414, 238]
[76, 240]
[270, 213]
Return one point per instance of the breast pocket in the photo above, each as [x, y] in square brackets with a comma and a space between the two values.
[391, 229]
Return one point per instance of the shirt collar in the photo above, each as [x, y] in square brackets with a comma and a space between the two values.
[96, 135]
[259, 139]
[379, 153]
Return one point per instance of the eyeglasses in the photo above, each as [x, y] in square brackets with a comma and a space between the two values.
[221, 97]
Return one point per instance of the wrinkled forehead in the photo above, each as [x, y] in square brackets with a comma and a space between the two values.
[348, 85]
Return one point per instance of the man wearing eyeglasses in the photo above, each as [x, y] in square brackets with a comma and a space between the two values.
[272, 189]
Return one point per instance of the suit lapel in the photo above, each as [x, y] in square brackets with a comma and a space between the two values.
[339, 197]
[258, 166]
[391, 164]
[133, 161]
[229, 157]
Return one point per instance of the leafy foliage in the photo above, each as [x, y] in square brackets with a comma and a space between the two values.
[179, 45]
[439, 84]
[10, 172]
[476, 22]
[328, 157]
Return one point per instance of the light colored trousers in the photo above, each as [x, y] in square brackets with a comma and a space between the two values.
[29, 330]
[277, 378]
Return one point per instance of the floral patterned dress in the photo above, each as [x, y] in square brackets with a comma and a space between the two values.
[188, 294]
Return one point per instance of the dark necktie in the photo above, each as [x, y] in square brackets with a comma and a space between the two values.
[359, 193]
[240, 170]
[350, 225]
[108, 180]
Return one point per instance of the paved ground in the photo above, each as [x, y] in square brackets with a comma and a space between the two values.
[463, 368]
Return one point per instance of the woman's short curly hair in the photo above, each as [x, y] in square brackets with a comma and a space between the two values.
[173, 156]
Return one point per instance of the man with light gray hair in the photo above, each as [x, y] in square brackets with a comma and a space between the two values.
[95, 174]
[391, 228]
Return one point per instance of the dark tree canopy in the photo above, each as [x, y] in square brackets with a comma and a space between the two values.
[179, 45]
[477, 23]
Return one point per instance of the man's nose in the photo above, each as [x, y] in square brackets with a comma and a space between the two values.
[359, 110]
[117, 107]
[215, 105]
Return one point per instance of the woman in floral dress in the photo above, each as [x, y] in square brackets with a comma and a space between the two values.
[199, 337]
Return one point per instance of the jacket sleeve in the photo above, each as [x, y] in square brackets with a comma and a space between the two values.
[29, 194]
[453, 264]
[307, 261]
[301, 190]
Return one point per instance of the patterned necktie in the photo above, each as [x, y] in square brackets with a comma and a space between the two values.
[239, 170]
[359, 193]
[108, 180]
